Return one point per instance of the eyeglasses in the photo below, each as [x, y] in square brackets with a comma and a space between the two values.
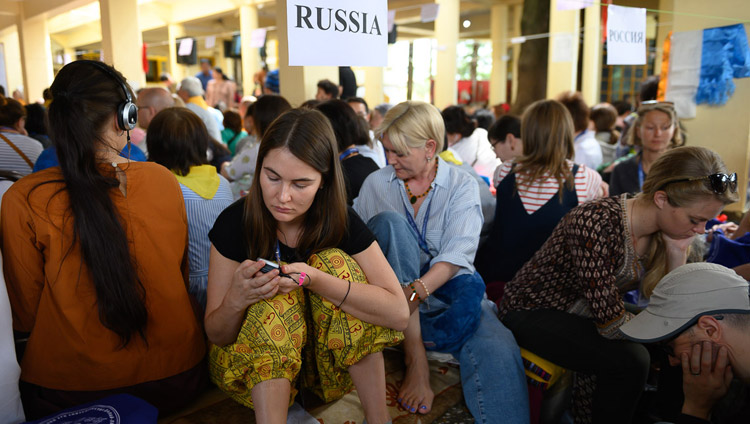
[719, 182]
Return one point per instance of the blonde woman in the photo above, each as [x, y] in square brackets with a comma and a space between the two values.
[426, 215]
[566, 303]
[655, 131]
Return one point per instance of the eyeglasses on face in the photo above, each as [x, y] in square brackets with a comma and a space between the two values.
[719, 182]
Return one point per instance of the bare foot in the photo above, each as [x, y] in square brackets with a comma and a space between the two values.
[415, 394]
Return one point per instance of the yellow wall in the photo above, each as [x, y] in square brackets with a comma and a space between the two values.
[725, 129]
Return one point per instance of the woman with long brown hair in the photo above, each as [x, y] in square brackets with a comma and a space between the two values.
[333, 281]
[95, 258]
[534, 192]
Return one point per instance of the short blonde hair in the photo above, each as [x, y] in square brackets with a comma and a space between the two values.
[411, 124]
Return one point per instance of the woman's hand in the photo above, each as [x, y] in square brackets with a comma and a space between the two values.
[677, 250]
[295, 270]
[250, 286]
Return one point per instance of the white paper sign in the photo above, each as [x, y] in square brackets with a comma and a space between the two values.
[337, 32]
[186, 47]
[429, 12]
[258, 38]
[626, 35]
[562, 48]
[573, 4]
[210, 41]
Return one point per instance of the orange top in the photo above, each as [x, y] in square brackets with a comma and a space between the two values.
[53, 298]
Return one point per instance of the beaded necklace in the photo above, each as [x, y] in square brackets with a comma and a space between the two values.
[412, 198]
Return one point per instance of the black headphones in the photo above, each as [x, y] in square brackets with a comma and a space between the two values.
[127, 111]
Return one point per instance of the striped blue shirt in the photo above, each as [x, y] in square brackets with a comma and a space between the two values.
[201, 214]
[455, 216]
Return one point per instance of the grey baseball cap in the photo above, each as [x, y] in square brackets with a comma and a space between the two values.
[683, 296]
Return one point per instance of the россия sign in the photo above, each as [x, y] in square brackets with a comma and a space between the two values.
[337, 32]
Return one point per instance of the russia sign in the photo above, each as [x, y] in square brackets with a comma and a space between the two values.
[626, 35]
[337, 32]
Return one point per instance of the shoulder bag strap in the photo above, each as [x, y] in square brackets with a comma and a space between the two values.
[20, 153]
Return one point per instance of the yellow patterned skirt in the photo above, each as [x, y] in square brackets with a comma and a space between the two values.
[273, 341]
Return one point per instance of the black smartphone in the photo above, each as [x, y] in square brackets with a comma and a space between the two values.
[270, 266]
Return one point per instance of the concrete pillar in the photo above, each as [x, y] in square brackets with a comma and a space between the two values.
[592, 55]
[446, 31]
[122, 41]
[36, 57]
[499, 37]
[562, 69]
[517, 14]
[297, 83]
[250, 55]
[374, 94]
[175, 31]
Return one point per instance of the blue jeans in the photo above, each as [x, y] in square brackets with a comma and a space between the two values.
[492, 374]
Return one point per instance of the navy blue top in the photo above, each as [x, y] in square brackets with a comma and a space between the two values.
[516, 235]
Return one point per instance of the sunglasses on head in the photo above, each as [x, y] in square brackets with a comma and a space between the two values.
[719, 182]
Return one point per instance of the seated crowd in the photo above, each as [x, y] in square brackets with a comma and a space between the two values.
[272, 250]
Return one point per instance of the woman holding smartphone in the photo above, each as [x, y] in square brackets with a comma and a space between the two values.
[333, 277]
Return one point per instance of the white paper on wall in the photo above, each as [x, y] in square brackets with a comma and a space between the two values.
[429, 12]
[562, 47]
[626, 35]
[337, 32]
[186, 47]
[573, 4]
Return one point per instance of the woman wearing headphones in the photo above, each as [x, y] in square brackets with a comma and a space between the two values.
[95, 260]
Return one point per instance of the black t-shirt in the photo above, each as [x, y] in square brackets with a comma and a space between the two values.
[227, 236]
[356, 169]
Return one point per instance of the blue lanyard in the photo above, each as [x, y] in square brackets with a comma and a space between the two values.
[421, 237]
[348, 152]
[641, 175]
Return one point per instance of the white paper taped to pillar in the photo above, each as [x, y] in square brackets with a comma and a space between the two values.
[626, 35]
[337, 32]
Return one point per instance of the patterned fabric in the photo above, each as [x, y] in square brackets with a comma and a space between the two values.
[584, 268]
[455, 218]
[271, 339]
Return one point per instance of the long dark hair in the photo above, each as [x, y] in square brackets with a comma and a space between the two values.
[84, 101]
[268, 108]
[345, 123]
[178, 140]
[309, 137]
